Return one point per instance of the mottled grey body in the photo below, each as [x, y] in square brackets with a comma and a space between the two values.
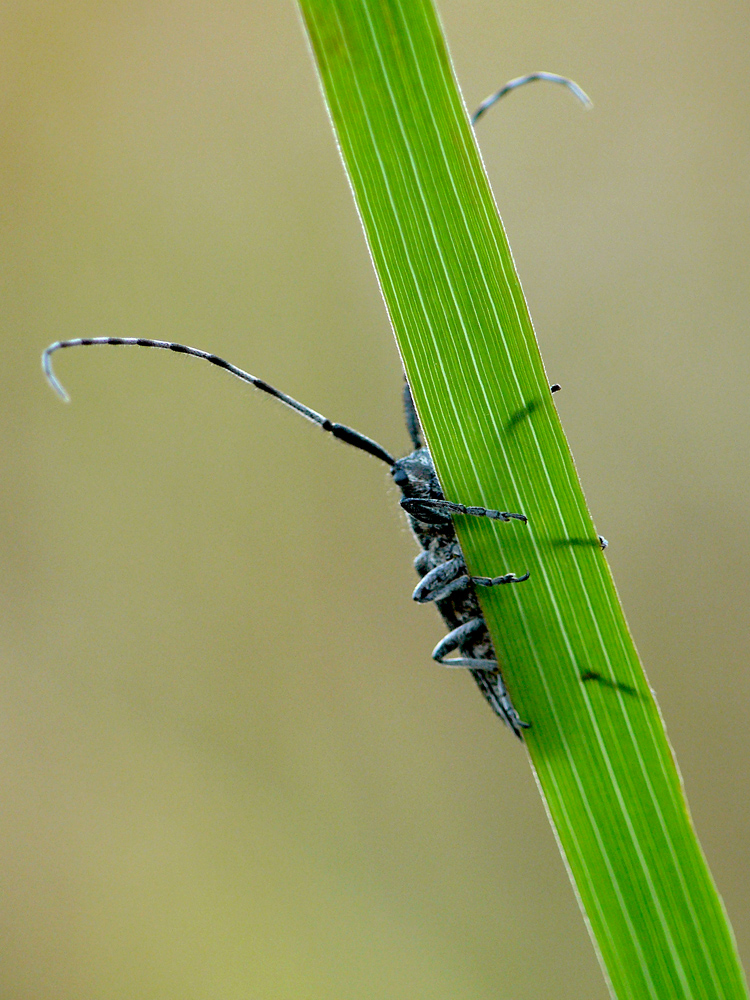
[445, 581]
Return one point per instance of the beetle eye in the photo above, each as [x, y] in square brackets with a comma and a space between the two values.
[400, 477]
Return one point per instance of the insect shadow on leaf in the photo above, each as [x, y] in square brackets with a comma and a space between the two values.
[600, 542]
[592, 675]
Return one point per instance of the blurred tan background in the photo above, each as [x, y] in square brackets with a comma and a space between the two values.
[229, 768]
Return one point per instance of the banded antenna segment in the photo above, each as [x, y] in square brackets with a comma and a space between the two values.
[520, 81]
[340, 431]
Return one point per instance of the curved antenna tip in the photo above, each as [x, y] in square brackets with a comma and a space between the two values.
[520, 81]
[50, 375]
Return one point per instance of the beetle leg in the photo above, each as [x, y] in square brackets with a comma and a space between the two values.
[494, 581]
[439, 511]
[422, 563]
[441, 581]
[427, 511]
[485, 672]
[457, 638]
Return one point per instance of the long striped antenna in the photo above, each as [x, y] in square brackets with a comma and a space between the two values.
[345, 434]
[519, 81]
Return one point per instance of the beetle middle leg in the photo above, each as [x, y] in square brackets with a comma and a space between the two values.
[450, 576]
[442, 581]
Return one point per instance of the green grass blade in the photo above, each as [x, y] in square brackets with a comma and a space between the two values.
[598, 746]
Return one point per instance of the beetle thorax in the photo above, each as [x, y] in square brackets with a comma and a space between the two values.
[414, 474]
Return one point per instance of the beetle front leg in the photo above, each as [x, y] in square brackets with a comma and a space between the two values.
[440, 511]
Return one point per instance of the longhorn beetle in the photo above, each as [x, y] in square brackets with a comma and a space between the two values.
[444, 577]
